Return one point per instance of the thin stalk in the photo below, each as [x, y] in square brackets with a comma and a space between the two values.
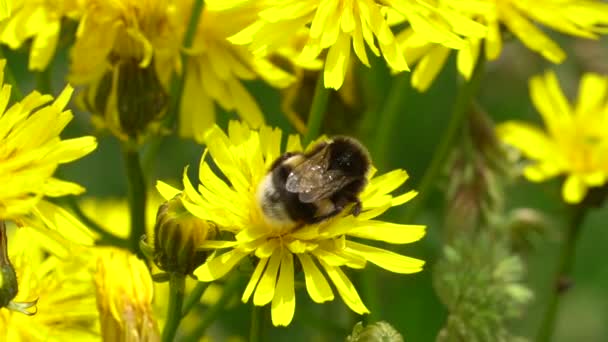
[16, 93]
[177, 285]
[176, 84]
[391, 110]
[464, 101]
[211, 314]
[258, 322]
[106, 238]
[137, 197]
[194, 297]
[561, 280]
[43, 81]
[317, 111]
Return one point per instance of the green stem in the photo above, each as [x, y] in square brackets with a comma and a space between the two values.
[257, 331]
[177, 285]
[230, 288]
[391, 110]
[194, 297]
[176, 84]
[463, 103]
[106, 238]
[43, 81]
[317, 111]
[16, 93]
[137, 197]
[561, 280]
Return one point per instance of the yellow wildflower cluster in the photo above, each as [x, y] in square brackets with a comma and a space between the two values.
[244, 156]
[586, 19]
[575, 142]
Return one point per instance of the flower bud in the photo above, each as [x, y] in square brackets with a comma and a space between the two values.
[141, 98]
[177, 237]
[124, 291]
[128, 99]
[8, 279]
[379, 331]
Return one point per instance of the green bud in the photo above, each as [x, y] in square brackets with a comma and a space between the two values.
[177, 237]
[127, 100]
[377, 332]
[8, 279]
[141, 98]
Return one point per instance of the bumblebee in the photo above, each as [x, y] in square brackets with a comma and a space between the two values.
[317, 185]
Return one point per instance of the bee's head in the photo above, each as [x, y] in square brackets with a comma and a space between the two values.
[348, 156]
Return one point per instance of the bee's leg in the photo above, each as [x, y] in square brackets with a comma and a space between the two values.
[356, 210]
[324, 217]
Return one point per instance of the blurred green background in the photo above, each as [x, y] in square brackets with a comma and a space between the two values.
[407, 302]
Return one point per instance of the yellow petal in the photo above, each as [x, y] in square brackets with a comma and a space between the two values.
[388, 232]
[429, 66]
[166, 190]
[467, 57]
[284, 300]
[345, 288]
[265, 289]
[530, 140]
[337, 62]
[531, 36]
[592, 94]
[574, 189]
[255, 278]
[317, 286]
[388, 260]
[219, 266]
[542, 171]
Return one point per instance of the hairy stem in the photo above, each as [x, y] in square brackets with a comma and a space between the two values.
[561, 280]
[176, 84]
[194, 297]
[211, 314]
[464, 101]
[257, 331]
[177, 285]
[137, 197]
[393, 107]
[317, 111]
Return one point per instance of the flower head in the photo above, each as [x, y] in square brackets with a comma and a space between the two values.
[39, 21]
[337, 24]
[244, 157]
[114, 31]
[217, 69]
[64, 289]
[585, 19]
[575, 142]
[177, 235]
[31, 149]
[124, 297]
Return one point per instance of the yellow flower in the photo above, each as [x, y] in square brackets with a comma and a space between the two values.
[124, 297]
[584, 19]
[64, 289]
[31, 149]
[125, 53]
[110, 31]
[216, 70]
[39, 20]
[122, 283]
[5, 9]
[575, 142]
[244, 156]
[336, 24]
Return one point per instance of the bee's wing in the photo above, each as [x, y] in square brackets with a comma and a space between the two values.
[309, 174]
[312, 181]
[332, 181]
